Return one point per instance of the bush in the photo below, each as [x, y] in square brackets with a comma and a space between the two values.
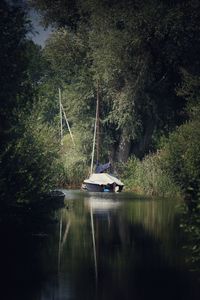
[29, 164]
[149, 176]
[182, 159]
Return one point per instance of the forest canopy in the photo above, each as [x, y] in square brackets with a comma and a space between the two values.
[139, 52]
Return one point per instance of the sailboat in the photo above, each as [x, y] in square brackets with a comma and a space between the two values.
[100, 181]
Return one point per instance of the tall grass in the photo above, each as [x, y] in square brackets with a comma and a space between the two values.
[148, 176]
[75, 168]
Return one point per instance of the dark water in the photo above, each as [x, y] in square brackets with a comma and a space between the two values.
[97, 247]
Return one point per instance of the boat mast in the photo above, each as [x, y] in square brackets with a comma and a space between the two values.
[96, 132]
[97, 117]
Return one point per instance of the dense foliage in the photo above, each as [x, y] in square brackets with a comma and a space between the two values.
[74, 162]
[137, 51]
[28, 151]
[183, 159]
[13, 61]
[149, 176]
[29, 164]
[140, 53]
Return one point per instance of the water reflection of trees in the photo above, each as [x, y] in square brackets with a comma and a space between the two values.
[98, 248]
[132, 239]
[155, 217]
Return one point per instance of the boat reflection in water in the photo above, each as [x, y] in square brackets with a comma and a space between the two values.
[100, 205]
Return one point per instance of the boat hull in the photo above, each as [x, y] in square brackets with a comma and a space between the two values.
[92, 187]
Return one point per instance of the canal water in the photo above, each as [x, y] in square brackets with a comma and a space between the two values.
[99, 246]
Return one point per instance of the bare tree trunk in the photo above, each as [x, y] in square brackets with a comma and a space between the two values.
[124, 148]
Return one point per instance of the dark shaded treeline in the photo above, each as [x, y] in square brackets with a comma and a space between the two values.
[148, 73]
[28, 148]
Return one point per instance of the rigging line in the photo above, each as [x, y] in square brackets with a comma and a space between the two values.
[68, 124]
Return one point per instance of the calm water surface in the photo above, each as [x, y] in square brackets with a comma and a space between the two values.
[100, 246]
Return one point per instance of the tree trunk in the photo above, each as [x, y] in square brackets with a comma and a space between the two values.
[124, 148]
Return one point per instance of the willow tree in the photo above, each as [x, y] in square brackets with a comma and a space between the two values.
[136, 51]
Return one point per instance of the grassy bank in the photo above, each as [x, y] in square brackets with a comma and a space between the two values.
[149, 176]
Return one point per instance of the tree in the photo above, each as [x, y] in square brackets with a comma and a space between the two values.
[29, 165]
[136, 51]
[13, 29]
[29, 149]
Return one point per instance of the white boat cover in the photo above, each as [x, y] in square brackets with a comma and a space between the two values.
[103, 179]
